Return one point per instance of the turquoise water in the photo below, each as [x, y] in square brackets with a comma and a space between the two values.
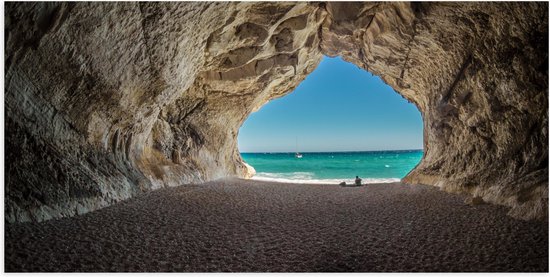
[334, 167]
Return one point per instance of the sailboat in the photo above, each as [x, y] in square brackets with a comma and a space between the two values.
[297, 155]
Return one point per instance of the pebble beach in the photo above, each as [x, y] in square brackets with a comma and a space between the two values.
[236, 225]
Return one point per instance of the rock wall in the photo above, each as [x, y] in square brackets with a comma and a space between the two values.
[108, 100]
[478, 72]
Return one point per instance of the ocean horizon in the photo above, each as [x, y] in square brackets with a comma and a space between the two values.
[376, 166]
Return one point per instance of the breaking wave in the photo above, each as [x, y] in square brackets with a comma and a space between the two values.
[308, 178]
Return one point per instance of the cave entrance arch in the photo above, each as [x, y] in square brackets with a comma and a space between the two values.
[347, 120]
[153, 94]
[447, 59]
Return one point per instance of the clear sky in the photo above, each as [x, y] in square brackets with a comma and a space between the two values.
[338, 107]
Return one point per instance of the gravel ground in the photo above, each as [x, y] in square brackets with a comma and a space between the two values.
[243, 225]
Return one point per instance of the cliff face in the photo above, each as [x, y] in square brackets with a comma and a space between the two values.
[108, 100]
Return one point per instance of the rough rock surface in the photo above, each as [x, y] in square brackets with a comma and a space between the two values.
[108, 100]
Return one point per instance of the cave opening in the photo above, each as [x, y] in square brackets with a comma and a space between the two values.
[340, 122]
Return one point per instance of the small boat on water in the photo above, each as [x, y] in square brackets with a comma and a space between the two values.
[297, 154]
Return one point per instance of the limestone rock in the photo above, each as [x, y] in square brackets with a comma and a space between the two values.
[250, 171]
[108, 100]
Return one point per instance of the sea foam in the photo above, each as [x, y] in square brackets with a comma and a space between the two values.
[307, 178]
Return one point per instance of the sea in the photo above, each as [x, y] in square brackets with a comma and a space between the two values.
[333, 167]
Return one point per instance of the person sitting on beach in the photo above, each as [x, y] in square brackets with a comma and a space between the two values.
[357, 181]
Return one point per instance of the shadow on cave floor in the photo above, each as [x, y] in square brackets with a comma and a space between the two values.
[238, 225]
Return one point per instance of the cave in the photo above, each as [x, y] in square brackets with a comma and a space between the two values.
[107, 101]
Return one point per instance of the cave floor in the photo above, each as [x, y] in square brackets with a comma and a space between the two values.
[242, 225]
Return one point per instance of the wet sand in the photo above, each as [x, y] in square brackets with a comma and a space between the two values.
[242, 225]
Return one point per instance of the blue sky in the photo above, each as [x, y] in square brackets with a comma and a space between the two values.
[338, 107]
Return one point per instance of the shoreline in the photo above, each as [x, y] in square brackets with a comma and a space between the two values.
[334, 181]
[332, 168]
